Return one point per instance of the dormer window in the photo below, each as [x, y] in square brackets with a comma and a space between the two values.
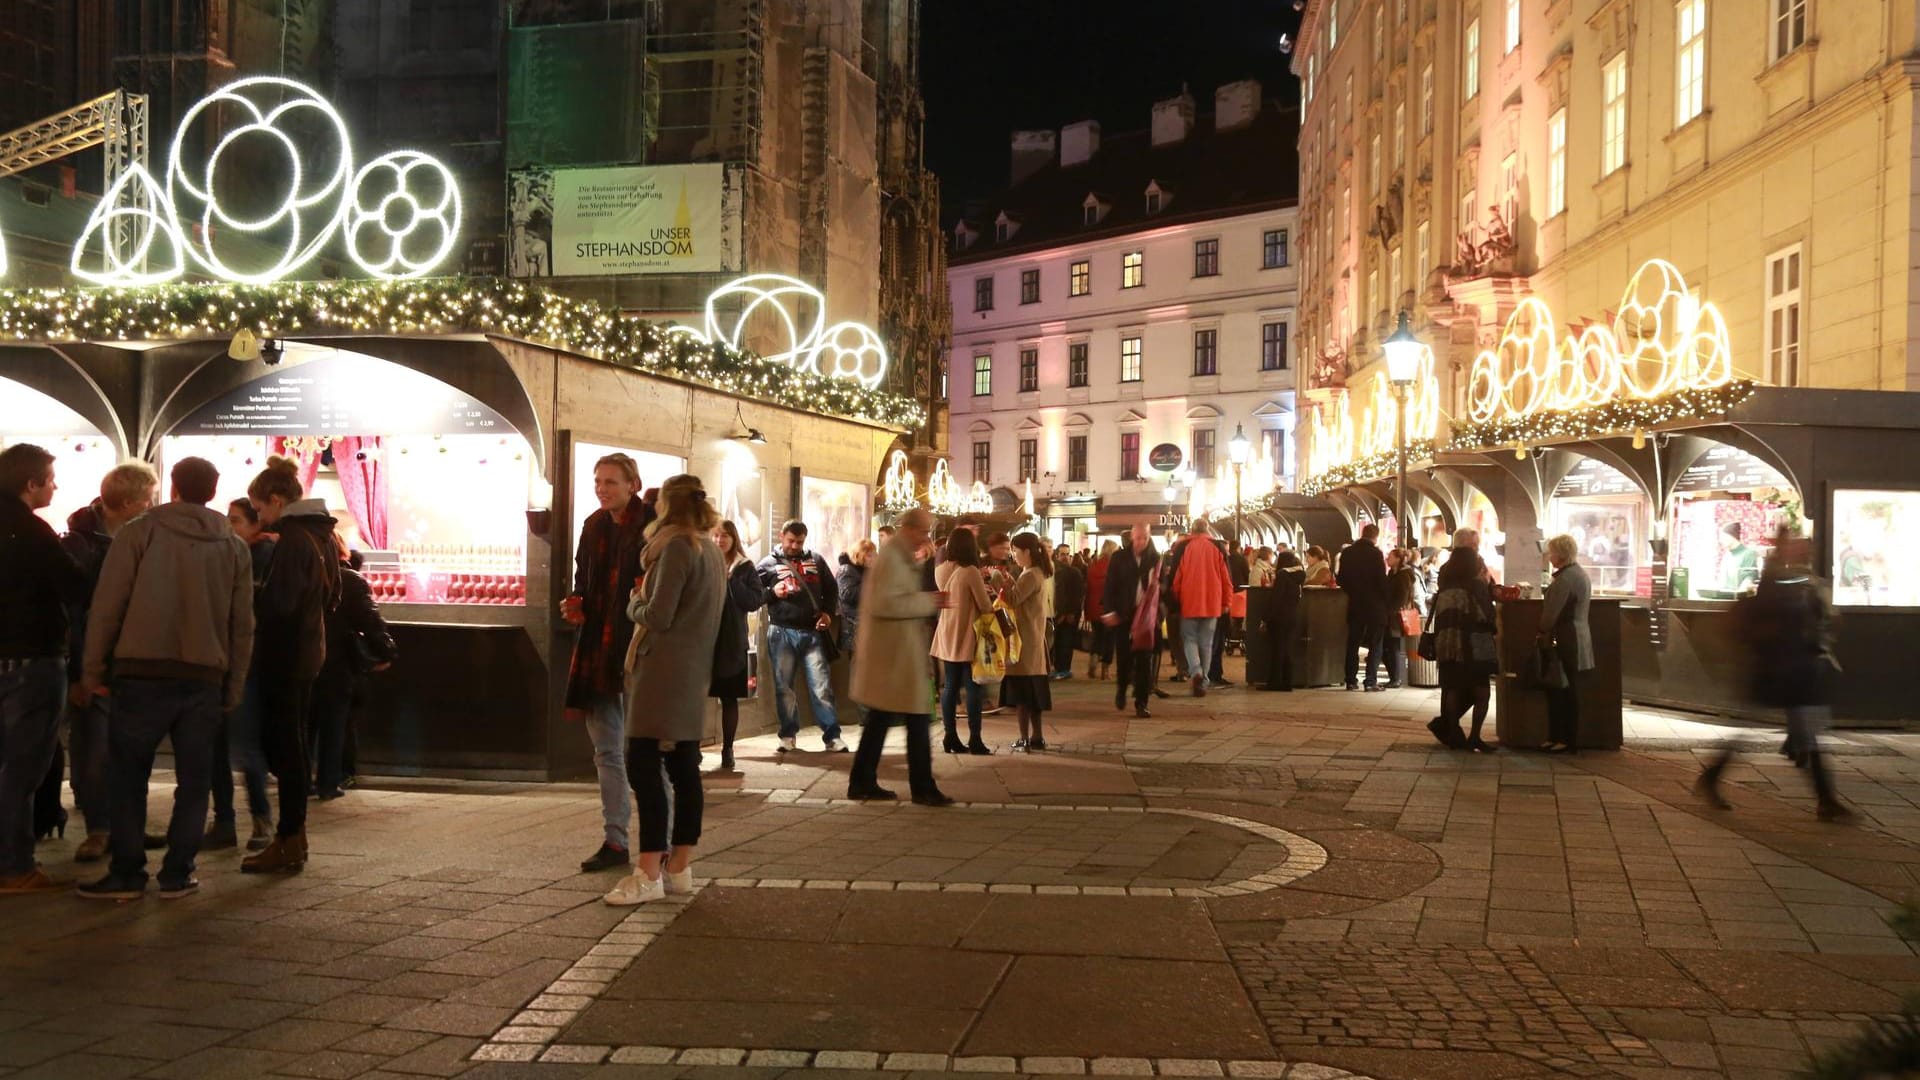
[1004, 227]
[1157, 197]
[1094, 210]
[963, 236]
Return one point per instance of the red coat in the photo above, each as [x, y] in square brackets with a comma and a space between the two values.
[1202, 586]
[1096, 583]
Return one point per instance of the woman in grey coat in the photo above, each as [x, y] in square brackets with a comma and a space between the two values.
[676, 612]
[1563, 624]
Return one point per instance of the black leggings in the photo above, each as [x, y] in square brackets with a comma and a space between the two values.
[681, 761]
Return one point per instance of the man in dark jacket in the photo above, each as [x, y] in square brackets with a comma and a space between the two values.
[173, 612]
[606, 565]
[37, 581]
[1133, 576]
[1069, 597]
[126, 492]
[802, 600]
[1363, 578]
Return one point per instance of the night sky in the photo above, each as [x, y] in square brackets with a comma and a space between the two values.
[990, 67]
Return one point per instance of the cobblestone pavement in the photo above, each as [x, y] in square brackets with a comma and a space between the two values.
[1252, 885]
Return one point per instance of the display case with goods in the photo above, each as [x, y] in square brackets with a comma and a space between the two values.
[1606, 513]
[1869, 531]
[1723, 514]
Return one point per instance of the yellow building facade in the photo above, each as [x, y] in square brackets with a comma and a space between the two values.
[1459, 156]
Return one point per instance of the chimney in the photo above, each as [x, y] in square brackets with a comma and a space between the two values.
[1079, 142]
[1236, 105]
[1032, 151]
[1173, 119]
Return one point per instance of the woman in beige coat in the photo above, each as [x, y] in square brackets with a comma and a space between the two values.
[1029, 688]
[953, 640]
[890, 665]
[676, 614]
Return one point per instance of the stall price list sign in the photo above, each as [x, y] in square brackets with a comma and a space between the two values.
[343, 394]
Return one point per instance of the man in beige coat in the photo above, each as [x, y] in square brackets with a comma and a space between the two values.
[890, 664]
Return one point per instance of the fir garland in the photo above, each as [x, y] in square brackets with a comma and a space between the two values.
[436, 306]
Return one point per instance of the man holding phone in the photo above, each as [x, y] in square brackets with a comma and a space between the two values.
[803, 601]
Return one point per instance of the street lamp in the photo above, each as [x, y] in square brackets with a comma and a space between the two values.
[1403, 365]
[1237, 453]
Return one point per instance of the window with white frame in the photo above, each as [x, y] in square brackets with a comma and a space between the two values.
[1154, 201]
[1206, 352]
[1276, 440]
[1206, 258]
[983, 294]
[1078, 278]
[1076, 459]
[1470, 61]
[1379, 33]
[983, 462]
[982, 375]
[1426, 100]
[1783, 317]
[1205, 441]
[1510, 188]
[1030, 286]
[1077, 364]
[1029, 459]
[1372, 305]
[1393, 280]
[1613, 114]
[1306, 91]
[1029, 370]
[1422, 255]
[1557, 163]
[1399, 137]
[1469, 208]
[1129, 359]
[1690, 60]
[1346, 210]
[1512, 38]
[1347, 101]
[1129, 455]
[1373, 164]
[1273, 346]
[1333, 24]
[1789, 28]
[1273, 249]
[1133, 269]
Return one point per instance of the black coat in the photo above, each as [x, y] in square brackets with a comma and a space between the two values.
[1363, 577]
[744, 595]
[797, 611]
[87, 542]
[357, 634]
[290, 607]
[1069, 592]
[37, 582]
[1124, 570]
[1283, 598]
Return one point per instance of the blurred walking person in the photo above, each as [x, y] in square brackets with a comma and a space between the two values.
[606, 566]
[1026, 685]
[889, 665]
[732, 666]
[1787, 627]
[1100, 647]
[1130, 603]
[173, 623]
[676, 613]
[954, 642]
[290, 645]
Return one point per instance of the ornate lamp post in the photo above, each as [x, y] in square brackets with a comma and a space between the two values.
[1403, 352]
[1237, 454]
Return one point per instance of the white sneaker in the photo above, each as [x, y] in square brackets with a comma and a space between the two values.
[835, 746]
[788, 742]
[680, 884]
[635, 889]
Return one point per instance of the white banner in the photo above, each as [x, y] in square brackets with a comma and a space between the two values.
[642, 219]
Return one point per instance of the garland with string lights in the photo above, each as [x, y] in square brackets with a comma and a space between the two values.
[434, 306]
[1614, 418]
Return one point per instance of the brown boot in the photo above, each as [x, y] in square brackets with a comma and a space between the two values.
[1199, 686]
[92, 849]
[284, 856]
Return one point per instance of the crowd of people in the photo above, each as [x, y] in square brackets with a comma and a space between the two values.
[241, 637]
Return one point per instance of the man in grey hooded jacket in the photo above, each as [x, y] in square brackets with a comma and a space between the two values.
[173, 616]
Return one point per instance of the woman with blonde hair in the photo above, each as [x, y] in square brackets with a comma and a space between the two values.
[676, 613]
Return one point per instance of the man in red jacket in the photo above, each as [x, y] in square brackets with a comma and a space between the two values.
[1204, 590]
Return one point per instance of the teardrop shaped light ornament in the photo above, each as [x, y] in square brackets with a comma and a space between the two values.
[137, 200]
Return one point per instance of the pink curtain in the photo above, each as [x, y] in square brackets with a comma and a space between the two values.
[363, 478]
[309, 464]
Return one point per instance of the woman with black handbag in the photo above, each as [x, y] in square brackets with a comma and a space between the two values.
[1564, 628]
[1463, 630]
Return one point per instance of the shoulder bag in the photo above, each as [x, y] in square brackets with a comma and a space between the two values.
[829, 648]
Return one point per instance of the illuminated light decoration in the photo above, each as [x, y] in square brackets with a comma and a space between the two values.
[385, 212]
[943, 491]
[896, 490]
[848, 351]
[138, 200]
[1662, 340]
[314, 204]
[512, 309]
[979, 499]
[1026, 504]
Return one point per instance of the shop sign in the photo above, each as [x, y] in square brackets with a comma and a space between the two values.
[1593, 477]
[344, 394]
[1182, 522]
[1165, 457]
[1728, 468]
[643, 219]
[1661, 340]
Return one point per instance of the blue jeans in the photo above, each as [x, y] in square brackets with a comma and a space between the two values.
[801, 649]
[186, 713]
[955, 674]
[33, 697]
[607, 727]
[1197, 636]
[87, 751]
[243, 753]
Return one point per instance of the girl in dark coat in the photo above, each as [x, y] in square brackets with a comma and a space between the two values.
[731, 680]
[1283, 617]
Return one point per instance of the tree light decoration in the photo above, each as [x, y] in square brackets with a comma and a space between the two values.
[847, 350]
[386, 210]
[138, 200]
[896, 490]
[1661, 341]
[314, 201]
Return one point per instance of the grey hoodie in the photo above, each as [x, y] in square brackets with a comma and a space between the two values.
[174, 601]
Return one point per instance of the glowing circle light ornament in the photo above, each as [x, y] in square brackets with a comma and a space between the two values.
[897, 490]
[278, 116]
[395, 197]
[845, 350]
